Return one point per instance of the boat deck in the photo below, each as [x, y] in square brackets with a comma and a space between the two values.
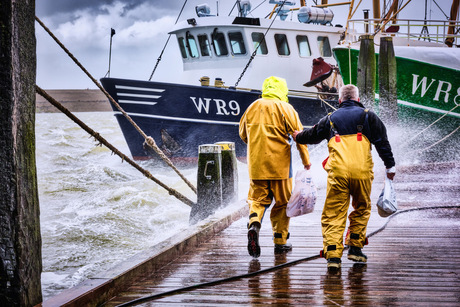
[414, 260]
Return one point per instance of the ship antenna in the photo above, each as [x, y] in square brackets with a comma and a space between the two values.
[257, 48]
[166, 44]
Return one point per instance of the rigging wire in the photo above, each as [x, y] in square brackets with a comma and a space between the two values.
[388, 20]
[257, 47]
[166, 44]
[447, 17]
[257, 6]
[236, 2]
[271, 269]
[148, 140]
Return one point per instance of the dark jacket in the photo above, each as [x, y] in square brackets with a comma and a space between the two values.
[346, 120]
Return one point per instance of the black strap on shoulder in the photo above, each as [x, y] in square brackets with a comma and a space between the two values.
[362, 120]
[333, 128]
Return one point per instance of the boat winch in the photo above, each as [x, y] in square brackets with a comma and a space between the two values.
[244, 7]
[280, 10]
[315, 15]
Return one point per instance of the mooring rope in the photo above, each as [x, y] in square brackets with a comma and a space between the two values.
[327, 103]
[430, 125]
[148, 140]
[436, 143]
[270, 269]
[103, 141]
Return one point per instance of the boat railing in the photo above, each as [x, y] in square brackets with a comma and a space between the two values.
[433, 31]
[308, 94]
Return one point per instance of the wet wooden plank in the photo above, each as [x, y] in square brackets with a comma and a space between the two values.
[414, 261]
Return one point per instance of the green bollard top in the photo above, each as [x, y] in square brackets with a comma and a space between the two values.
[209, 148]
[366, 36]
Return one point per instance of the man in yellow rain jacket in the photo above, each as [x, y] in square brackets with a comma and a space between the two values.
[350, 131]
[266, 127]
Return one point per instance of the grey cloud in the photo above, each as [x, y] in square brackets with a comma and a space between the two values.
[46, 8]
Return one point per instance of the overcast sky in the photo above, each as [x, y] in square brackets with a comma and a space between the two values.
[141, 26]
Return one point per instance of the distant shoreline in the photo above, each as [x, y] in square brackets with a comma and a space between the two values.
[74, 100]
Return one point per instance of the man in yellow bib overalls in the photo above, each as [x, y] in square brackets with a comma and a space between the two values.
[350, 131]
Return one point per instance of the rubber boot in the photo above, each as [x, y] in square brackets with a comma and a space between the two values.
[334, 264]
[355, 254]
[283, 248]
[253, 240]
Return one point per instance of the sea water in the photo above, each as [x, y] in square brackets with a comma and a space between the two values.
[95, 209]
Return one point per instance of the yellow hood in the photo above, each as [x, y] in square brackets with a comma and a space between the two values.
[275, 87]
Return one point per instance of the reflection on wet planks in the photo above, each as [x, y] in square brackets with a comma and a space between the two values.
[415, 260]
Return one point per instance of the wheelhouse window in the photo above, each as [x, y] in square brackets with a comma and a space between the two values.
[183, 50]
[304, 46]
[237, 43]
[191, 45]
[219, 44]
[259, 40]
[282, 44]
[324, 46]
[205, 46]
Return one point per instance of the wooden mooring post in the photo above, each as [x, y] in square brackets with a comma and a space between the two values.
[366, 71]
[20, 241]
[388, 100]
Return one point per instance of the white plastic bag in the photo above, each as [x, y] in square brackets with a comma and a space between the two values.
[387, 204]
[303, 197]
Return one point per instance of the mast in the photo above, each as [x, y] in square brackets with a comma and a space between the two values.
[376, 10]
[452, 25]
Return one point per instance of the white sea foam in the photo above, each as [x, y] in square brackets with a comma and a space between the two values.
[95, 209]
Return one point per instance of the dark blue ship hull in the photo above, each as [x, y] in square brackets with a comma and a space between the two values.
[182, 117]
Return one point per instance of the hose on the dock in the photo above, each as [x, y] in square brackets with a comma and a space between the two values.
[270, 269]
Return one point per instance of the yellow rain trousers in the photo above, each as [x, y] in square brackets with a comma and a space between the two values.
[260, 197]
[265, 126]
[350, 173]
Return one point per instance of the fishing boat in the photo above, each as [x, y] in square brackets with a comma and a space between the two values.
[427, 63]
[225, 60]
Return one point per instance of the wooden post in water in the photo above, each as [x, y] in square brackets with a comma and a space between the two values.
[388, 99]
[229, 172]
[366, 71]
[209, 182]
[20, 241]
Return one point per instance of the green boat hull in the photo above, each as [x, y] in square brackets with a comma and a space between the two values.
[428, 96]
[421, 86]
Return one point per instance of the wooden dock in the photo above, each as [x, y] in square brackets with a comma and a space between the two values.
[84, 100]
[413, 261]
